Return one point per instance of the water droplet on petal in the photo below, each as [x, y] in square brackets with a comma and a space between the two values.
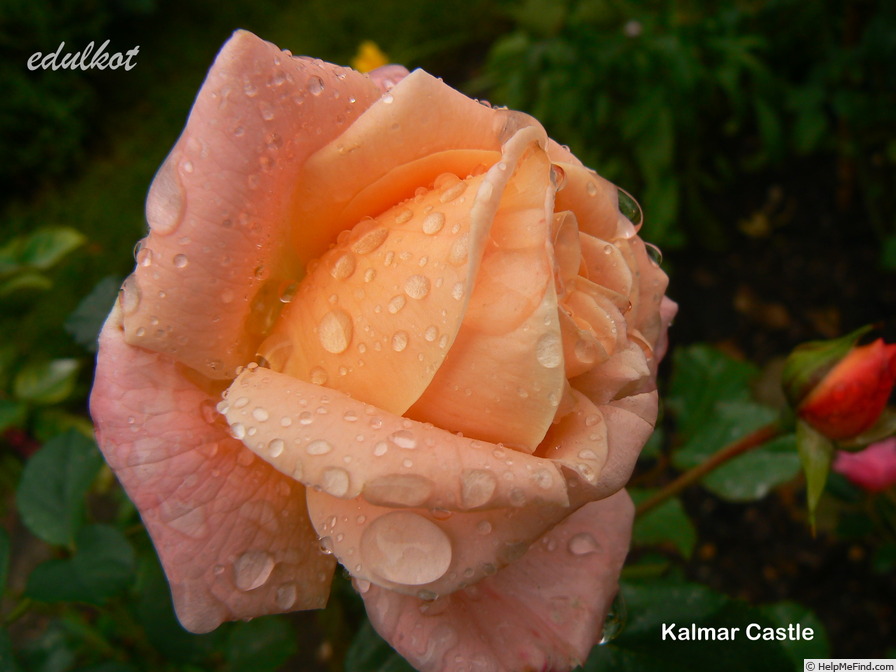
[549, 351]
[543, 479]
[165, 202]
[398, 490]
[433, 223]
[582, 544]
[396, 303]
[181, 261]
[403, 216]
[629, 207]
[399, 341]
[275, 447]
[483, 527]
[371, 240]
[335, 481]
[318, 447]
[315, 86]
[406, 548]
[477, 488]
[252, 569]
[286, 595]
[615, 621]
[335, 331]
[460, 250]
[404, 438]
[417, 286]
[129, 298]
[260, 414]
[343, 266]
[238, 430]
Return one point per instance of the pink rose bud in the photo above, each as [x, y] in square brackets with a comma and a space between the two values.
[873, 469]
[840, 388]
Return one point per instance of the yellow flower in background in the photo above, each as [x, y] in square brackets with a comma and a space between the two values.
[369, 57]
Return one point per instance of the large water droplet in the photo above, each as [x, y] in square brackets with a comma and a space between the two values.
[477, 488]
[406, 548]
[286, 595]
[130, 295]
[616, 619]
[403, 438]
[275, 447]
[582, 544]
[433, 223]
[335, 331]
[165, 202]
[549, 351]
[399, 341]
[260, 414]
[335, 481]
[342, 266]
[417, 286]
[629, 207]
[315, 86]
[181, 261]
[252, 569]
[396, 303]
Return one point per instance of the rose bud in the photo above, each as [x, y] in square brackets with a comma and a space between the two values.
[378, 322]
[873, 468]
[841, 388]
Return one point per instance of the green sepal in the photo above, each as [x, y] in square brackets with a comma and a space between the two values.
[816, 453]
[810, 362]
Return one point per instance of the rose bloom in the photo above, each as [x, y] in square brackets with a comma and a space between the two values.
[394, 327]
[873, 468]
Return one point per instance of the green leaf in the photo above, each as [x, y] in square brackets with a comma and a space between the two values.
[44, 248]
[85, 322]
[667, 523]
[784, 614]
[102, 566]
[816, 453]
[703, 377]
[46, 382]
[262, 645]
[56, 478]
[641, 647]
[369, 652]
[23, 282]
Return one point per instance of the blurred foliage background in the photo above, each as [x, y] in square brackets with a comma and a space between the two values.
[759, 137]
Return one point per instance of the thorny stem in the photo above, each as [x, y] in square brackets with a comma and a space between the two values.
[739, 447]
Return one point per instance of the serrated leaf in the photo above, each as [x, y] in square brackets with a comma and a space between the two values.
[667, 523]
[87, 319]
[262, 645]
[371, 653]
[703, 377]
[816, 454]
[46, 382]
[102, 565]
[51, 493]
[749, 476]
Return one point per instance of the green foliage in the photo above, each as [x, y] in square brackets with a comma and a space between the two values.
[369, 652]
[666, 524]
[51, 494]
[682, 102]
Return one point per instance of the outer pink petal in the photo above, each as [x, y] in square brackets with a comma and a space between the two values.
[347, 448]
[220, 208]
[233, 534]
[543, 612]
[873, 468]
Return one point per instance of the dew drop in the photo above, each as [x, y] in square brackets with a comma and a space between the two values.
[318, 447]
[543, 479]
[457, 291]
[275, 447]
[238, 430]
[181, 261]
[453, 192]
[286, 595]
[315, 86]
[477, 487]
[318, 375]
[582, 544]
[403, 215]
[335, 331]
[629, 207]
[260, 414]
[252, 569]
[460, 250]
[483, 527]
[417, 286]
[591, 188]
[130, 294]
[398, 490]
[433, 223]
[431, 333]
[343, 266]
[406, 548]
[370, 241]
[396, 303]
[305, 418]
[335, 481]
[165, 202]
[399, 341]
[549, 351]
[403, 438]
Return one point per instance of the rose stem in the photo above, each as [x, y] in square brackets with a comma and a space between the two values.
[746, 444]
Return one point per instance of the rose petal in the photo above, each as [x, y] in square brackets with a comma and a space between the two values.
[544, 612]
[210, 272]
[595, 202]
[232, 533]
[418, 123]
[347, 448]
[388, 300]
[503, 379]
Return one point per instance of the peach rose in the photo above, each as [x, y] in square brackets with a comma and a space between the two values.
[393, 326]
